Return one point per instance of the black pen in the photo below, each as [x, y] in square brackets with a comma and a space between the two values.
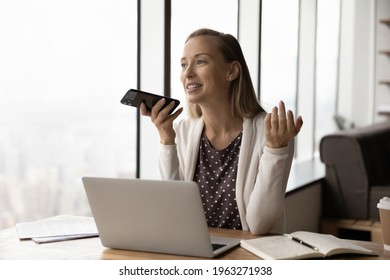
[296, 239]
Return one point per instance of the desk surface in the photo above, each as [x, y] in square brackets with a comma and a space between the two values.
[11, 248]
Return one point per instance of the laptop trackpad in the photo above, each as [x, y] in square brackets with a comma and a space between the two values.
[222, 244]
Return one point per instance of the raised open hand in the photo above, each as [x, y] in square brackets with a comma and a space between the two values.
[280, 127]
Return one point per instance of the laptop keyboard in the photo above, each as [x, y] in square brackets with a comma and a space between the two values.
[217, 246]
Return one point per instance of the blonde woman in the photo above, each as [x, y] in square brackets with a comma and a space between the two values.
[239, 155]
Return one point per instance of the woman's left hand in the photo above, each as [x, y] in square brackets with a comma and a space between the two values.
[280, 127]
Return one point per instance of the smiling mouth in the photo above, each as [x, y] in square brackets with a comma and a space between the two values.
[192, 86]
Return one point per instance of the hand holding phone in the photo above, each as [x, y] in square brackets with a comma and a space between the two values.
[135, 97]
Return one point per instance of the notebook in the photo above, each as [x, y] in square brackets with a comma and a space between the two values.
[152, 216]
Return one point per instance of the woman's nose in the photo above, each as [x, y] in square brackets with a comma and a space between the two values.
[189, 71]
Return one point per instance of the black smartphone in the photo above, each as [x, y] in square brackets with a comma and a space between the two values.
[134, 97]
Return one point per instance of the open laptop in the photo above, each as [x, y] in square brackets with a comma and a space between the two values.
[153, 216]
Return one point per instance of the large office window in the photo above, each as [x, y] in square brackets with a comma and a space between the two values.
[327, 54]
[64, 67]
[299, 64]
[189, 15]
[279, 50]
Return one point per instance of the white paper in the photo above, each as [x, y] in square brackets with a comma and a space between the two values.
[40, 240]
[54, 230]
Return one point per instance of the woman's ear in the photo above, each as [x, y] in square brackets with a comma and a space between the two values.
[234, 70]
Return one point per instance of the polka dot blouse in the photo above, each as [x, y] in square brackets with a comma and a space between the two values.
[215, 173]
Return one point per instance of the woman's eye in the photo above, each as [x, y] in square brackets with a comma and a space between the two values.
[183, 65]
[200, 61]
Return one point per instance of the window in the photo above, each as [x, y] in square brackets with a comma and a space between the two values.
[279, 50]
[327, 53]
[65, 65]
[299, 64]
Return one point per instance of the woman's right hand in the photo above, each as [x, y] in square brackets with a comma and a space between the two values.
[162, 120]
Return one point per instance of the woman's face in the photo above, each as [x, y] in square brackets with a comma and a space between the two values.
[205, 74]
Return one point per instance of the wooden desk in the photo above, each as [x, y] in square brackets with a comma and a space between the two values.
[11, 248]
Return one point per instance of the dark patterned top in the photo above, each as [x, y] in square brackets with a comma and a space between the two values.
[215, 173]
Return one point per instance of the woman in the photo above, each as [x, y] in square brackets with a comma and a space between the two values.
[238, 154]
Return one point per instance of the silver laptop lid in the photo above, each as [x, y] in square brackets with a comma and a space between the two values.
[149, 215]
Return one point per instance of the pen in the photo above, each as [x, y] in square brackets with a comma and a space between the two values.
[296, 239]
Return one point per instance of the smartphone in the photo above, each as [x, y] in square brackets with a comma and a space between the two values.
[134, 97]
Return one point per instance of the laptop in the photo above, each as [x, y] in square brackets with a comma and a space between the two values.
[153, 216]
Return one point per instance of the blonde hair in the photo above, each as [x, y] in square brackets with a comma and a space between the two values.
[244, 102]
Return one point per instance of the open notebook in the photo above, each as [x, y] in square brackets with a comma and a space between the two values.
[154, 216]
[301, 245]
